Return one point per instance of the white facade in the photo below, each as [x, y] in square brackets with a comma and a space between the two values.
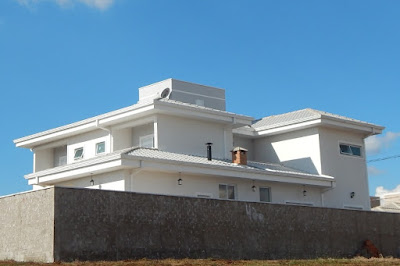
[158, 145]
[388, 202]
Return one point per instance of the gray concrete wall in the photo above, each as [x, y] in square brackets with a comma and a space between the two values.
[96, 225]
[27, 226]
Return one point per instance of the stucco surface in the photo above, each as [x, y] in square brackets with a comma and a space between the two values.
[27, 226]
[95, 225]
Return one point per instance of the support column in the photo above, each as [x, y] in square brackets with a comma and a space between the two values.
[155, 133]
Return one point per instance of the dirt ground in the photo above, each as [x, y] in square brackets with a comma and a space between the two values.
[217, 262]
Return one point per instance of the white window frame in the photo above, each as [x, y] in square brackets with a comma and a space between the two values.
[80, 157]
[97, 144]
[234, 191]
[146, 138]
[270, 195]
[351, 145]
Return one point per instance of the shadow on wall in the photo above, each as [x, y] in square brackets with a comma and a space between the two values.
[304, 164]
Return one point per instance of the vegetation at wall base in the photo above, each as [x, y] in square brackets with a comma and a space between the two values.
[217, 262]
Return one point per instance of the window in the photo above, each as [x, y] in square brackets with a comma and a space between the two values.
[146, 141]
[100, 147]
[265, 194]
[350, 150]
[227, 191]
[78, 154]
[60, 156]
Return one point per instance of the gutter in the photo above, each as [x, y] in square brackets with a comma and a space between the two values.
[97, 124]
[323, 191]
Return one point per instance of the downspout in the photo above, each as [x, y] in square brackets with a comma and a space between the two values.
[109, 133]
[326, 190]
[135, 173]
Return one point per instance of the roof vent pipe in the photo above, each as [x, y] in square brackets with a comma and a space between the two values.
[209, 154]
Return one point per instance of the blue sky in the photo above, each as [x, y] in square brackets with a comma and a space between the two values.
[65, 60]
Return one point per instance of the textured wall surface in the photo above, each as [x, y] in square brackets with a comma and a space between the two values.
[95, 225]
[27, 226]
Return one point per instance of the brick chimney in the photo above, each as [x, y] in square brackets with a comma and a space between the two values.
[239, 155]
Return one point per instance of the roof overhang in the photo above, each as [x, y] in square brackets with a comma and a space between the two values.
[115, 162]
[365, 129]
[129, 115]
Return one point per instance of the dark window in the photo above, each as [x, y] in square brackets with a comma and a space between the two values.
[350, 150]
[265, 194]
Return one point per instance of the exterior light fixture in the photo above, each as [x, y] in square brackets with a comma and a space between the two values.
[209, 155]
[304, 191]
[352, 194]
[91, 179]
[180, 179]
[253, 187]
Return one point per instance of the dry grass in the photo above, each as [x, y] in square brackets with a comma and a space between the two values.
[217, 262]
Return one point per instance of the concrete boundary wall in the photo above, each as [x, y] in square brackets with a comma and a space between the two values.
[93, 225]
[64, 224]
[27, 226]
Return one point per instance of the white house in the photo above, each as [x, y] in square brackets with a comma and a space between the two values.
[159, 145]
[387, 202]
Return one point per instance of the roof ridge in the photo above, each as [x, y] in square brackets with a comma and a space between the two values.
[185, 154]
[291, 112]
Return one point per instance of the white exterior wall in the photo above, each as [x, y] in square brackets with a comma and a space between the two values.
[141, 131]
[153, 91]
[299, 149]
[88, 142]
[189, 92]
[349, 171]
[43, 159]
[247, 143]
[189, 136]
[108, 181]
[122, 139]
[185, 92]
[193, 185]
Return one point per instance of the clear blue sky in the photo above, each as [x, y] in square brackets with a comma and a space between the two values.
[65, 60]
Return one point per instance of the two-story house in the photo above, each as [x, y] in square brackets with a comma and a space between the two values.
[178, 139]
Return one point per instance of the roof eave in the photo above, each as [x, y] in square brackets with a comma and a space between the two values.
[85, 125]
[123, 161]
[365, 128]
[188, 110]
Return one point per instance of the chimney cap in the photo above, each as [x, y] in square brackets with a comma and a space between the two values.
[239, 149]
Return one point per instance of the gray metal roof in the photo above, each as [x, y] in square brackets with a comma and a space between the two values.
[178, 157]
[298, 117]
[151, 154]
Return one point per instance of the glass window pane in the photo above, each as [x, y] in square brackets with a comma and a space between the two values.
[100, 147]
[231, 192]
[78, 153]
[356, 150]
[147, 141]
[265, 195]
[345, 149]
[222, 191]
